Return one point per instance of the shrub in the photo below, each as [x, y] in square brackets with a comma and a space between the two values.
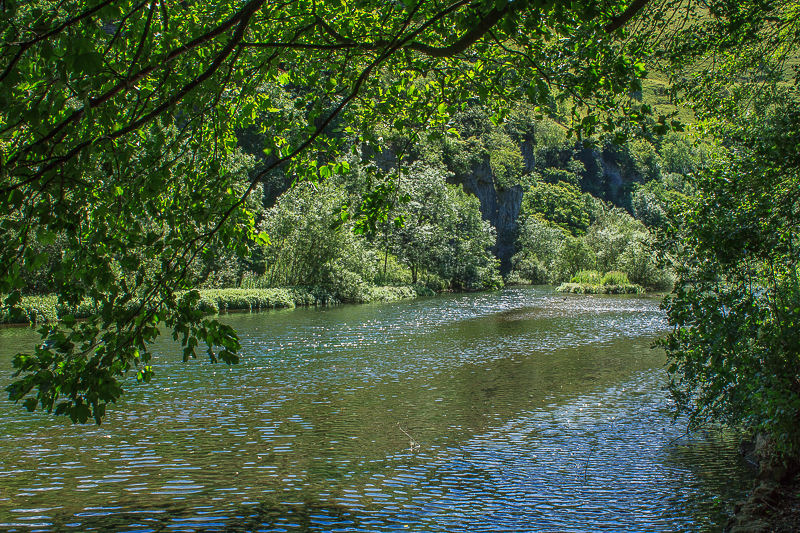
[390, 271]
[435, 283]
[557, 175]
[505, 159]
[645, 159]
[640, 262]
[561, 204]
[574, 255]
[592, 277]
[514, 278]
[221, 300]
[43, 309]
[615, 277]
[539, 245]
[346, 285]
[528, 269]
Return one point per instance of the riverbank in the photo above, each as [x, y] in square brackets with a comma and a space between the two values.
[773, 506]
[45, 308]
[770, 508]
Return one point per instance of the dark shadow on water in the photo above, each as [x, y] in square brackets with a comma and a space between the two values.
[296, 516]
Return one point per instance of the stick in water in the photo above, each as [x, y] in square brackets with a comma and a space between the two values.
[412, 443]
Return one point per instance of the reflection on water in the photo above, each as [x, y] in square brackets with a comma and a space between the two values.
[517, 410]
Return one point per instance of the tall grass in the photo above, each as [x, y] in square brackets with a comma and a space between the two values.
[592, 277]
[615, 277]
[592, 282]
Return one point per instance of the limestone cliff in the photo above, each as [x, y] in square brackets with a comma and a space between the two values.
[604, 177]
[500, 207]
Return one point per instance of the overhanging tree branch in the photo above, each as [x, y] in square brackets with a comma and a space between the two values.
[630, 12]
[25, 45]
[469, 38]
[125, 85]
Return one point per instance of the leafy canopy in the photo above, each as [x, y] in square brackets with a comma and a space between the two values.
[118, 119]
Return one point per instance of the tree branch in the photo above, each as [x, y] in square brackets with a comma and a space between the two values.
[622, 19]
[465, 41]
[125, 84]
[27, 44]
[243, 17]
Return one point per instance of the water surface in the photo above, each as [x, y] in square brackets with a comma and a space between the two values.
[515, 410]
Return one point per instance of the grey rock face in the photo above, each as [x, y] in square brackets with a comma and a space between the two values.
[500, 207]
[603, 177]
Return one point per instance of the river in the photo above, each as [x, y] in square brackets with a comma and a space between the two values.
[518, 410]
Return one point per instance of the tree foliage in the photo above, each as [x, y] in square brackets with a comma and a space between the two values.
[733, 346]
[560, 203]
[116, 113]
[117, 118]
[735, 314]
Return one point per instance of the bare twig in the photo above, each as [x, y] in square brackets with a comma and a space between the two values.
[413, 444]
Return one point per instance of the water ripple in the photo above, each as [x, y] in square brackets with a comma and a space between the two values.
[515, 410]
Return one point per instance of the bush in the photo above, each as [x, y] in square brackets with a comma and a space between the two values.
[33, 310]
[615, 277]
[221, 300]
[538, 247]
[734, 344]
[394, 273]
[592, 277]
[394, 293]
[639, 262]
[557, 175]
[527, 269]
[574, 255]
[645, 159]
[514, 278]
[678, 154]
[624, 244]
[505, 159]
[561, 204]
[434, 283]
[347, 286]
[44, 309]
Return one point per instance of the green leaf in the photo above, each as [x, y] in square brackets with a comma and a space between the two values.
[13, 299]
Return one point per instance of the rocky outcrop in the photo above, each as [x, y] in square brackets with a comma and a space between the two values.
[605, 177]
[500, 207]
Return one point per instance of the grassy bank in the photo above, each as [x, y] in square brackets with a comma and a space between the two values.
[41, 309]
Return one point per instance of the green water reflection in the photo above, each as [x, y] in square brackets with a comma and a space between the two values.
[519, 409]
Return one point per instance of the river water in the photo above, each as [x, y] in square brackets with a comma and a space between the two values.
[520, 410]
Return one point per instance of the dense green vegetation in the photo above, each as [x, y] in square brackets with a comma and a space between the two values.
[46, 309]
[735, 346]
[314, 152]
[433, 236]
[593, 282]
[121, 123]
[432, 233]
